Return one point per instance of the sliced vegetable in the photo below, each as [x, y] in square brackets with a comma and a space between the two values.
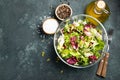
[80, 43]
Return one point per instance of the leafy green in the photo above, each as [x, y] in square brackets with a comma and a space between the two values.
[82, 46]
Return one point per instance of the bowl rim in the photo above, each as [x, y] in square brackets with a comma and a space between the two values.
[102, 54]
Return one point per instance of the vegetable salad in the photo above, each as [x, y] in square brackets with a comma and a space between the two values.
[80, 43]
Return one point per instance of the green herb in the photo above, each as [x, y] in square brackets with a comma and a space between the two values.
[43, 54]
[61, 71]
[48, 59]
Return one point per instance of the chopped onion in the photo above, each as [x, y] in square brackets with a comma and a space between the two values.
[87, 33]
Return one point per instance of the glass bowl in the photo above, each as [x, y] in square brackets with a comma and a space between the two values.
[92, 20]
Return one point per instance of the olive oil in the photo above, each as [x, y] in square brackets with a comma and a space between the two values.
[98, 9]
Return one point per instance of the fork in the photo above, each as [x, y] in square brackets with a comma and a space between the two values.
[102, 68]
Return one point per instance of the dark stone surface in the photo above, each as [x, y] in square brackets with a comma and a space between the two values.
[21, 46]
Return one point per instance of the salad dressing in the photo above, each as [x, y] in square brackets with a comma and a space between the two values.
[98, 9]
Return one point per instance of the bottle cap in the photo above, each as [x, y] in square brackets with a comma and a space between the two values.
[101, 4]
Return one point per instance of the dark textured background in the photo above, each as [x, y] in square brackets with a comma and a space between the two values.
[21, 46]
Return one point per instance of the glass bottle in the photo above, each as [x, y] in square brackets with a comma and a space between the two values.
[98, 9]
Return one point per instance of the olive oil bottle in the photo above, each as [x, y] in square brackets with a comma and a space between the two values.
[98, 9]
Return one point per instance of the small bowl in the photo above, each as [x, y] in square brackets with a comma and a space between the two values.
[50, 25]
[64, 12]
[77, 18]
